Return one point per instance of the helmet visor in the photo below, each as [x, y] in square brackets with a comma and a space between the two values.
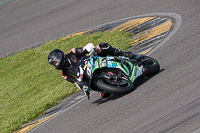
[56, 60]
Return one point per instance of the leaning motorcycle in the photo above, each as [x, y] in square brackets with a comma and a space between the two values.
[113, 74]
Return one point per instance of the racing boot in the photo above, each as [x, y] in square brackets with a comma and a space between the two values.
[118, 52]
[104, 49]
[104, 94]
[131, 55]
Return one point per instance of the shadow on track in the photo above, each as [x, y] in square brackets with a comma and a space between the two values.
[115, 96]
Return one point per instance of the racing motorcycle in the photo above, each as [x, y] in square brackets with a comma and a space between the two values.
[115, 74]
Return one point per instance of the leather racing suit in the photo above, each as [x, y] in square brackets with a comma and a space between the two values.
[103, 49]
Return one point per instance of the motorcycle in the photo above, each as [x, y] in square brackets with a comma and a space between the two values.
[115, 74]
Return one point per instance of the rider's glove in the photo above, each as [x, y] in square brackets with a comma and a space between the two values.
[84, 87]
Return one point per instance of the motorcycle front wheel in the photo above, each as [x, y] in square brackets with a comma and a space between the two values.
[152, 66]
[115, 87]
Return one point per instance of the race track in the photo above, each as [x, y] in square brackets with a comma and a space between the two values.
[168, 102]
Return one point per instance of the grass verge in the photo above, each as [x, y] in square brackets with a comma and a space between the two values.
[29, 85]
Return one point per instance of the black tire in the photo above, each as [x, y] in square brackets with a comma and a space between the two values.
[152, 66]
[102, 84]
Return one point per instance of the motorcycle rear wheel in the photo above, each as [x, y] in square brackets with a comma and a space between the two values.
[120, 87]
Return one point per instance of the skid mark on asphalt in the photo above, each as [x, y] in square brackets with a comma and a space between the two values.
[150, 32]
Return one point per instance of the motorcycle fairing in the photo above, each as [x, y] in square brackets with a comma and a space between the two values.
[131, 70]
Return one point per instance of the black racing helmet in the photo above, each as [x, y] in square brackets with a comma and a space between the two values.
[56, 58]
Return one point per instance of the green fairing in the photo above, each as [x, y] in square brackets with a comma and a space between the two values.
[130, 73]
[126, 69]
[134, 72]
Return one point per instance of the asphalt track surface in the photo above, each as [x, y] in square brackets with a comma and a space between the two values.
[168, 102]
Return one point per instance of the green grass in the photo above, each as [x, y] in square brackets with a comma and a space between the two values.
[29, 85]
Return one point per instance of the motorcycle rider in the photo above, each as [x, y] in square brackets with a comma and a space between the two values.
[61, 61]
